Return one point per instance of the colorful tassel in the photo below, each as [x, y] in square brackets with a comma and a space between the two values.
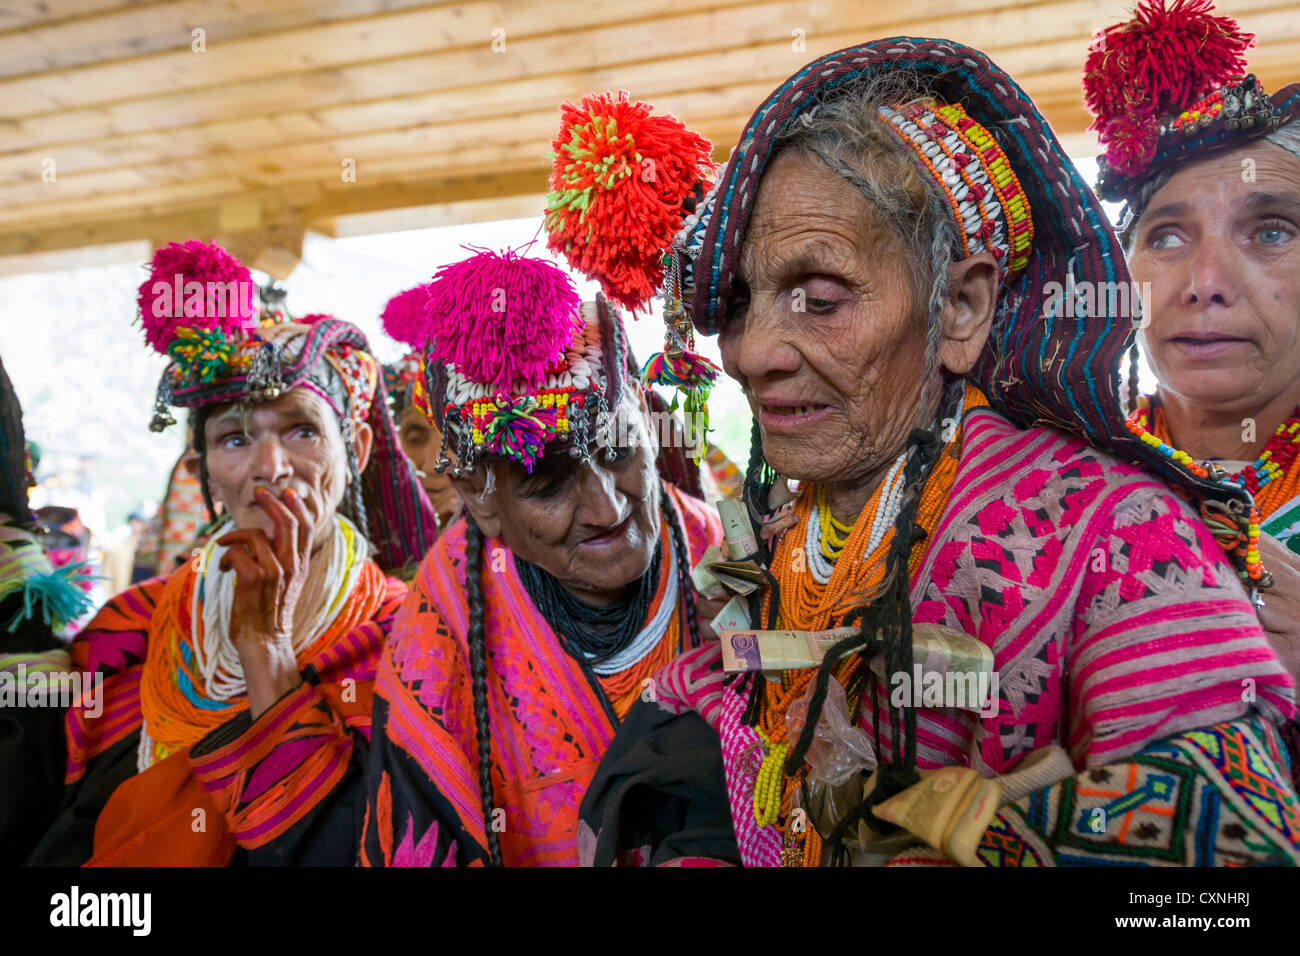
[693, 376]
[685, 371]
[520, 429]
[618, 183]
[206, 354]
[501, 318]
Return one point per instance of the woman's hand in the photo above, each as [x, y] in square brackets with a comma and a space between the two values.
[269, 579]
[1280, 615]
[706, 609]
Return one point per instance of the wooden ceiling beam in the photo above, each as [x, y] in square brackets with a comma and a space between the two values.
[280, 161]
[375, 96]
[119, 32]
[464, 39]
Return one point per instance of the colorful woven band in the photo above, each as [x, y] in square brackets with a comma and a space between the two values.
[975, 176]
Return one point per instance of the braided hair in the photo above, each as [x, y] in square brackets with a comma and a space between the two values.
[478, 680]
[685, 587]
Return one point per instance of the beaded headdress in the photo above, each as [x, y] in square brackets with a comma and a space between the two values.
[1042, 364]
[1170, 85]
[623, 181]
[516, 363]
[975, 176]
[197, 308]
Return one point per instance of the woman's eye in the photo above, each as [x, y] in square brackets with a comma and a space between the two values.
[547, 489]
[306, 431]
[738, 303]
[233, 440]
[1273, 235]
[1164, 240]
[818, 295]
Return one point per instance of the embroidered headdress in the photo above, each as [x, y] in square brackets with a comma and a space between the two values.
[197, 308]
[516, 362]
[1168, 86]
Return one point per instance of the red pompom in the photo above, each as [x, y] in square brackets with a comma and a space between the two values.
[1161, 61]
[403, 317]
[1131, 141]
[196, 285]
[617, 187]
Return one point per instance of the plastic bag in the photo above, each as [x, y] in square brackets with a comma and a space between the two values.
[839, 755]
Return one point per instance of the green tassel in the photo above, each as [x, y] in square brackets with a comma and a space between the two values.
[57, 595]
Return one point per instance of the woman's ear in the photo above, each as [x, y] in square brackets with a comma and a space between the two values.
[363, 441]
[190, 461]
[968, 313]
[482, 508]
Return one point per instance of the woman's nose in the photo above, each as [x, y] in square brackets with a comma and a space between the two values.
[600, 503]
[756, 347]
[1211, 273]
[271, 463]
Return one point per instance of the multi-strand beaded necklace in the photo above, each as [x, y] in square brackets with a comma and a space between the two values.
[810, 602]
[1271, 479]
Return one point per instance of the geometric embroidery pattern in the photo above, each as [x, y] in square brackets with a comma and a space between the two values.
[1214, 797]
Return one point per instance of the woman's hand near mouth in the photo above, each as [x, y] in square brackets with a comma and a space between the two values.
[269, 579]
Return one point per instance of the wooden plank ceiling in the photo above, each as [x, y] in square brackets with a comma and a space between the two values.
[114, 127]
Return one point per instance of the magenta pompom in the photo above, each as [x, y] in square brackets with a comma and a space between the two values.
[403, 317]
[196, 285]
[502, 318]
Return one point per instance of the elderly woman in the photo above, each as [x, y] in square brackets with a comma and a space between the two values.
[884, 268]
[234, 694]
[533, 625]
[1212, 227]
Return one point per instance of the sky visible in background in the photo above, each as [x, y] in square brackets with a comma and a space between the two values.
[73, 348]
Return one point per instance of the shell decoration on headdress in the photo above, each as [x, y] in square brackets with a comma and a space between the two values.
[512, 361]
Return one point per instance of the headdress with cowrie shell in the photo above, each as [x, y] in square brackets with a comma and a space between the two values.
[516, 363]
[1169, 86]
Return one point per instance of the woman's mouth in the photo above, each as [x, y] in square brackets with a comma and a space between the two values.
[610, 538]
[788, 417]
[1206, 345]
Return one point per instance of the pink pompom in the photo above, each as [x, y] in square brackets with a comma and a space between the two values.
[403, 317]
[501, 319]
[196, 285]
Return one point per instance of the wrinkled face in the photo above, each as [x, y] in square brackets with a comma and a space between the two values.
[421, 441]
[594, 526]
[821, 331]
[292, 441]
[1222, 255]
